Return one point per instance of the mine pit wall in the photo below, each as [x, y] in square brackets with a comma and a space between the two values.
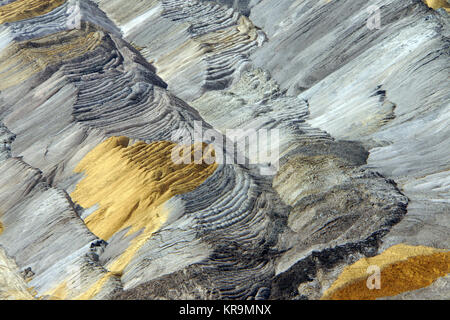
[378, 74]
[381, 109]
[81, 85]
[358, 206]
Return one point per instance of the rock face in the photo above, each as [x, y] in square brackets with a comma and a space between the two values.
[12, 285]
[95, 95]
[196, 46]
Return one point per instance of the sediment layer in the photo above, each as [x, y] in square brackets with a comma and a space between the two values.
[93, 207]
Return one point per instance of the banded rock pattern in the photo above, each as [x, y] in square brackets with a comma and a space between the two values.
[210, 231]
[366, 85]
[61, 18]
[196, 46]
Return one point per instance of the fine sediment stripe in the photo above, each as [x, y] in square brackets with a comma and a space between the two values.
[25, 9]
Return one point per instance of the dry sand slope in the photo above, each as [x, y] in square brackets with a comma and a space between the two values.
[91, 93]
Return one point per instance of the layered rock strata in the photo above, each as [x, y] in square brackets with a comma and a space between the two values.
[92, 205]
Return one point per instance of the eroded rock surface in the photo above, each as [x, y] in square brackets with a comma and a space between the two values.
[94, 93]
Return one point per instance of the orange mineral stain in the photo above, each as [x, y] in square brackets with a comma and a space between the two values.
[403, 268]
[26, 9]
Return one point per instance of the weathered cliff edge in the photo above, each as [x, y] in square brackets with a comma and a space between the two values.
[363, 116]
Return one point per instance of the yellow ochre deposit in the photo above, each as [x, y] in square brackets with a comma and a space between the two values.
[403, 268]
[26, 9]
[210, 43]
[64, 291]
[130, 184]
[436, 4]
